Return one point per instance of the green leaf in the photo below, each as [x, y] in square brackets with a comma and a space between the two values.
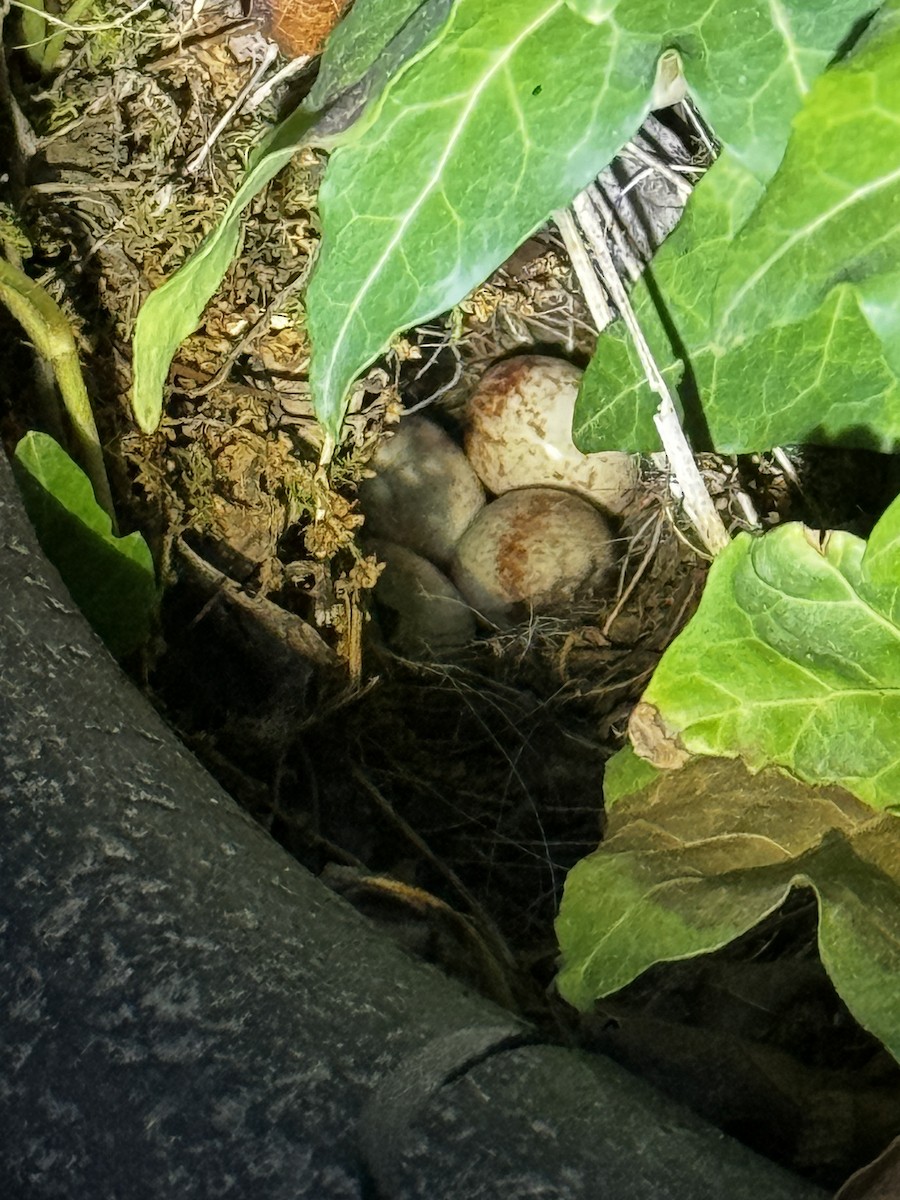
[43, 47]
[856, 880]
[688, 864]
[173, 310]
[783, 298]
[512, 110]
[352, 111]
[111, 579]
[594, 11]
[406, 234]
[881, 565]
[792, 659]
[34, 31]
[702, 854]
[363, 37]
[625, 774]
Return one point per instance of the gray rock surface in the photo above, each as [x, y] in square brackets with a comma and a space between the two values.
[186, 1012]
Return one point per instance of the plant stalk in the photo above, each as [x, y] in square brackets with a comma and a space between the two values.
[698, 504]
[51, 335]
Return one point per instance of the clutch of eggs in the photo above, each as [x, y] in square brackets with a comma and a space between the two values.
[543, 545]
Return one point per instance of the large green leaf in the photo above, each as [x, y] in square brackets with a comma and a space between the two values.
[473, 145]
[792, 659]
[702, 854]
[111, 578]
[510, 113]
[783, 299]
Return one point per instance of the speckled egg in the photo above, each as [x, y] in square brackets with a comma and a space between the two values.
[533, 551]
[421, 613]
[519, 434]
[424, 494]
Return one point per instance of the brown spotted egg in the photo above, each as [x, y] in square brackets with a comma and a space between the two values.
[424, 493]
[533, 551]
[519, 434]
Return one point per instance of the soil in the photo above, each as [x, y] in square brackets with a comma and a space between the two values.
[448, 799]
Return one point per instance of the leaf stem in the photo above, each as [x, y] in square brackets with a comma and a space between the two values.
[594, 295]
[698, 505]
[51, 335]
